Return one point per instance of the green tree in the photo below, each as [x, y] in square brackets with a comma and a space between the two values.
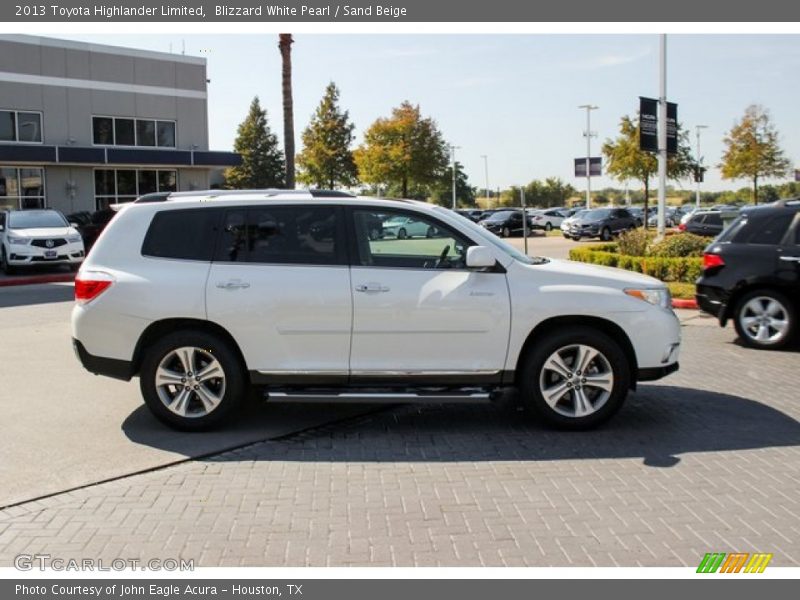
[326, 159]
[752, 149]
[625, 161]
[262, 160]
[443, 192]
[404, 149]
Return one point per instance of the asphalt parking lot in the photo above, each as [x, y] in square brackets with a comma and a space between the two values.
[706, 460]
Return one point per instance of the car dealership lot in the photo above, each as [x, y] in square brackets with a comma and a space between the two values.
[706, 460]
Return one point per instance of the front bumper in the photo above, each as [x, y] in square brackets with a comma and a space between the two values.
[654, 373]
[23, 255]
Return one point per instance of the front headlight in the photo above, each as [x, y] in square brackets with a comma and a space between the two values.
[657, 296]
[74, 239]
[18, 241]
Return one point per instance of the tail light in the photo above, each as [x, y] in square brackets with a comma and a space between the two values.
[682, 227]
[89, 286]
[711, 261]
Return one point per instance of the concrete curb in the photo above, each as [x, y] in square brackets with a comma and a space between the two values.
[680, 303]
[34, 279]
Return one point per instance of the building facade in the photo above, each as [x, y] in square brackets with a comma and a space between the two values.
[83, 125]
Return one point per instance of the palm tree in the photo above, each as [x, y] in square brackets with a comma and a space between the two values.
[285, 46]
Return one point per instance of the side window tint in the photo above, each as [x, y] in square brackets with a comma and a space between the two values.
[391, 239]
[182, 234]
[280, 235]
[713, 219]
[772, 230]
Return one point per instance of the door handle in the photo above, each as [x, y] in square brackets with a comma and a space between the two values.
[791, 258]
[233, 284]
[371, 288]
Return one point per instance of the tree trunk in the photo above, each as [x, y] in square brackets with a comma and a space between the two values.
[646, 200]
[285, 46]
[405, 187]
[755, 189]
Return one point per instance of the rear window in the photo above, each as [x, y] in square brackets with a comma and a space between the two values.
[183, 234]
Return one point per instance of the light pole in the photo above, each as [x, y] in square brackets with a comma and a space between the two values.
[588, 134]
[486, 173]
[453, 159]
[662, 135]
[699, 173]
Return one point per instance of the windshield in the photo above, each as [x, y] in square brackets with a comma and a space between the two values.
[483, 235]
[594, 214]
[36, 219]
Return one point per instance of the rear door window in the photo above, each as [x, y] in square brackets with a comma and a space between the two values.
[713, 219]
[185, 234]
[770, 231]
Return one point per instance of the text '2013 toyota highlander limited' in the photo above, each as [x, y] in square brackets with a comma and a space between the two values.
[204, 296]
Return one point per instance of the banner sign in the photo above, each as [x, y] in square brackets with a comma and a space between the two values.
[648, 126]
[595, 166]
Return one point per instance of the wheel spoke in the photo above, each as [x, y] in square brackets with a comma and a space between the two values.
[556, 363]
[180, 403]
[763, 333]
[584, 358]
[748, 322]
[166, 376]
[186, 356]
[603, 381]
[208, 398]
[553, 394]
[212, 369]
[583, 406]
[773, 308]
[779, 325]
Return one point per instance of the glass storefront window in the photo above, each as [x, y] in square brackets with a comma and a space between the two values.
[115, 186]
[21, 188]
[119, 131]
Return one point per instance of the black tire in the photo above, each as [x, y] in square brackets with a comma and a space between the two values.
[576, 238]
[7, 268]
[533, 373]
[506, 232]
[741, 311]
[605, 234]
[235, 380]
[402, 234]
[548, 226]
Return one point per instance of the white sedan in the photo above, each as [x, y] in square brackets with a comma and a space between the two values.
[404, 227]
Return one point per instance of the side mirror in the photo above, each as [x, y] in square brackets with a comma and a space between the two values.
[480, 257]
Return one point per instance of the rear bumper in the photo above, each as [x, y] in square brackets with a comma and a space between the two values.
[653, 373]
[109, 367]
[712, 300]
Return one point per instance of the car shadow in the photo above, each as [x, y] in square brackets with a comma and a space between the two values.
[657, 425]
[41, 293]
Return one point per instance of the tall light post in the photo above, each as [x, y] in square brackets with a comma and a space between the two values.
[486, 174]
[453, 160]
[589, 135]
[699, 174]
[662, 136]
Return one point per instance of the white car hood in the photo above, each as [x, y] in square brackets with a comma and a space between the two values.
[573, 272]
[44, 232]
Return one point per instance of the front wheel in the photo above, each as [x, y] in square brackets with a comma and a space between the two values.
[192, 380]
[575, 378]
[605, 235]
[402, 234]
[548, 226]
[506, 232]
[7, 268]
[765, 319]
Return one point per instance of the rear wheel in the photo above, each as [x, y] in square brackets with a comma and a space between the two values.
[575, 379]
[765, 319]
[192, 380]
[605, 235]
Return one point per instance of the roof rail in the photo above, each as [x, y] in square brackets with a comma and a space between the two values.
[266, 192]
[786, 201]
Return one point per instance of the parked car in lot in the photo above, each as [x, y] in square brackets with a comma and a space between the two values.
[473, 214]
[547, 219]
[504, 223]
[703, 222]
[565, 224]
[600, 222]
[205, 298]
[403, 228]
[38, 237]
[752, 275]
[92, 226]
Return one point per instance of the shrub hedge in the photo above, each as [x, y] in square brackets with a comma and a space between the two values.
[681, 269]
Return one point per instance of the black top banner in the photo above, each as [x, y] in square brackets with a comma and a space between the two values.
[290, 11]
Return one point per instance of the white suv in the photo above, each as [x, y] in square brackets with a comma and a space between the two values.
[203, 297]
[30, 238]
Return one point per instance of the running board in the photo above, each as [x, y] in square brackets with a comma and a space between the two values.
[381, 397]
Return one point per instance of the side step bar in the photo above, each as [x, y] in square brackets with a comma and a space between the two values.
[399, 397]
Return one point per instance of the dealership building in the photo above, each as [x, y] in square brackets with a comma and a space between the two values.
[84, 125]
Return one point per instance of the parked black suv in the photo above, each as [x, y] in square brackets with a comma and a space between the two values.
[601, 222]
[752, 275]
[704, 222]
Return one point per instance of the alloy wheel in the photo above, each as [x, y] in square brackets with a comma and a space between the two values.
[764, 320]
[576, 380]
[190, 382]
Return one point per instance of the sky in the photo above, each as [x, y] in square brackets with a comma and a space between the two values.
[511, 97]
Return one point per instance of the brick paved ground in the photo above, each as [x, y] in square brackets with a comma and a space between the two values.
[708, 460]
